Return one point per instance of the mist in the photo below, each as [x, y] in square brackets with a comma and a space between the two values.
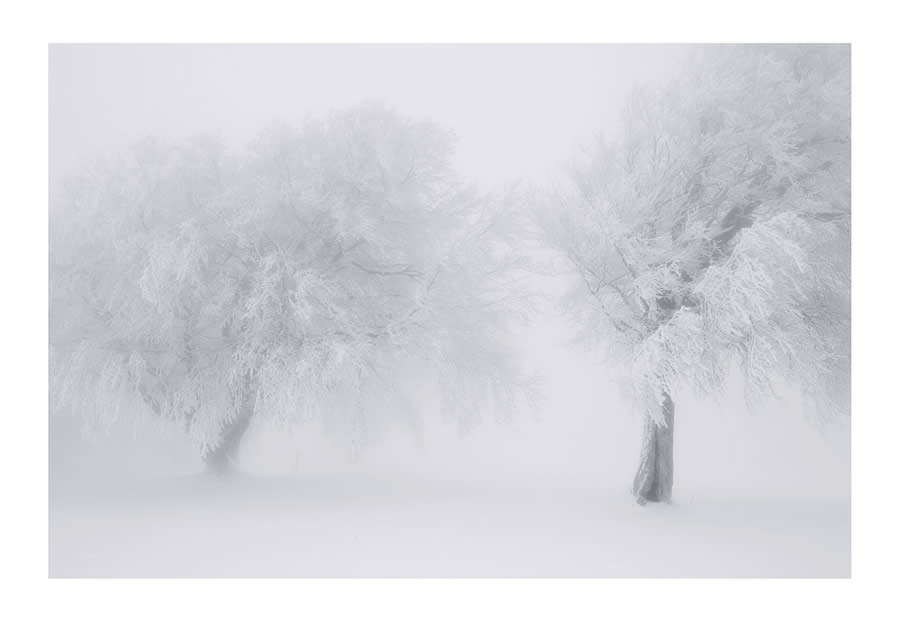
[541, 490]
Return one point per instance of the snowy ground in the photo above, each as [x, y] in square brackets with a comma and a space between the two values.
[370, 527]
[765, 500]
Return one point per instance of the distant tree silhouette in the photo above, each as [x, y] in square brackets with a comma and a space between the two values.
[294, 278]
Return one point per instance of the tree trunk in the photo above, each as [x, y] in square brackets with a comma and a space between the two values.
[223, 458]
[656, 471]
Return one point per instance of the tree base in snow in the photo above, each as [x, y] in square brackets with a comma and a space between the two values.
[223, 459]
[655, 475]
[221, 467]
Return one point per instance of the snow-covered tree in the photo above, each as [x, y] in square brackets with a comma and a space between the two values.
[716, 232]
[299, 276]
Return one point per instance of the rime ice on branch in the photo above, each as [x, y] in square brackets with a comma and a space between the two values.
[294, 278]
[717, 231]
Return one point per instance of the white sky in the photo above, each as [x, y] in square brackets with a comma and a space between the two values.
[519, 110]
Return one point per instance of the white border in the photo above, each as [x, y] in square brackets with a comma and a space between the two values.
[26, 32]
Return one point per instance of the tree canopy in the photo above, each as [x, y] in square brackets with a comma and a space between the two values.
[294, 278]
[716, 229]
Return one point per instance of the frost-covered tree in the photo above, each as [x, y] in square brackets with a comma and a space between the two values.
[715, 233]
[299, 276]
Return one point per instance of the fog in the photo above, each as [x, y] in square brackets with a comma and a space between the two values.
[519, 111]
[759, 492]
